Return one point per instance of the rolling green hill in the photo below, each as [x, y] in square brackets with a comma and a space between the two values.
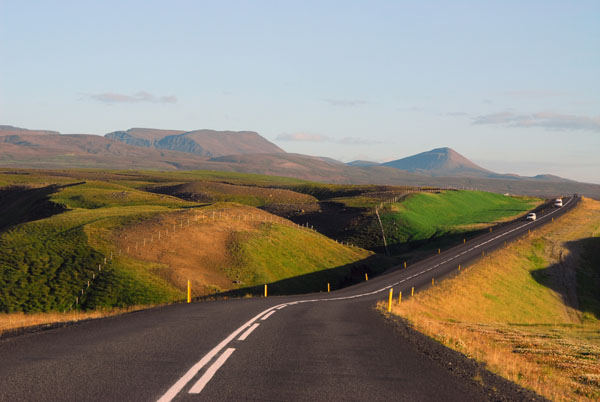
[46, 259]
[63, 228]
[430, 220]
[423, 216]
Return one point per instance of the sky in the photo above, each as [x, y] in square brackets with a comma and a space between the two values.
[511, 85]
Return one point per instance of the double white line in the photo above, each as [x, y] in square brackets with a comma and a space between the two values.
[206, 377]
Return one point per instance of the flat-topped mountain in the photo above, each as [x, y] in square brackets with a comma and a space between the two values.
[12, 130]
[439, 162]
[141, 137]
[208, 143]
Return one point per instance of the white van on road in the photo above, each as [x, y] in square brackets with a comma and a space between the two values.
[531, 216]
[558, 202]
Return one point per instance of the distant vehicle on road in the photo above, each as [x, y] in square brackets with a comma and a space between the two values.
[558, 202]
[531, 216]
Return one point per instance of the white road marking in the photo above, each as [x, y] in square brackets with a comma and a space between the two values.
[206, 377]
[268, 315]
[248, 332]
[191, 373]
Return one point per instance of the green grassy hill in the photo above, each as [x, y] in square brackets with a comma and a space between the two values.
[423, 216]
[296, 261]
[45, 260]
[432, 220]
[58, 226]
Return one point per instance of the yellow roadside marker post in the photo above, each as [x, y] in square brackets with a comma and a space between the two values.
[189, 294]
[490, 230]
[465, 240]
[404, 264]
[412, 291]
[390, 300]
[439, 251]
[328, 287]
[400, 297]
[432, 281]
[265, 290]
[459, 267]
[366, 277]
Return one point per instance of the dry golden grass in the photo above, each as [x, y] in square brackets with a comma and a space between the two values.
[498, 313]
[10, 321]
[228, 246]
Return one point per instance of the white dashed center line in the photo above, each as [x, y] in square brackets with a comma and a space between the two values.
[248, 332]
[268, 315]
[206, 377]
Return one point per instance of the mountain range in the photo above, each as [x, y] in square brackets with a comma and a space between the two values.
[247, 151]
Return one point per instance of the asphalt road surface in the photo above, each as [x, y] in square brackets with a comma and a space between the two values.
[317, 347]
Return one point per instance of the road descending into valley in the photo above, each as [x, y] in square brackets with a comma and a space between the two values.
[316, 347]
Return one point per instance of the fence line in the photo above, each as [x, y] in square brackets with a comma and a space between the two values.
[213, 216]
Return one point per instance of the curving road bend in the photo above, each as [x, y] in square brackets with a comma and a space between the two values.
[324, 346]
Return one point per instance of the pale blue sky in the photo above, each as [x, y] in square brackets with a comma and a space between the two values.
[512, 85]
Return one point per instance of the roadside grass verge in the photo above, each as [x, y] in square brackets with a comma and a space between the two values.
[526, 311]
[13, 321]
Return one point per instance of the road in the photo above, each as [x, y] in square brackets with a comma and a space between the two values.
[325, 346]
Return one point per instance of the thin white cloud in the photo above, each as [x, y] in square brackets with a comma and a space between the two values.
[345, 102]
[303, 137]
[409, 109]
[308, 137]
[547, 120]
[141, 96]
[534, 93]
[357, 141]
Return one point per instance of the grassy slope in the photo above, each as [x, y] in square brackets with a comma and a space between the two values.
[516, 309]
[422, 216]
[281, 252]
[47, 261]
[239, 248]
[44, 263]
[206, 191]
[437, 219]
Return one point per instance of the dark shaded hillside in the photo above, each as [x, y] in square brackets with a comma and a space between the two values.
[218, 143]
[24, 204]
